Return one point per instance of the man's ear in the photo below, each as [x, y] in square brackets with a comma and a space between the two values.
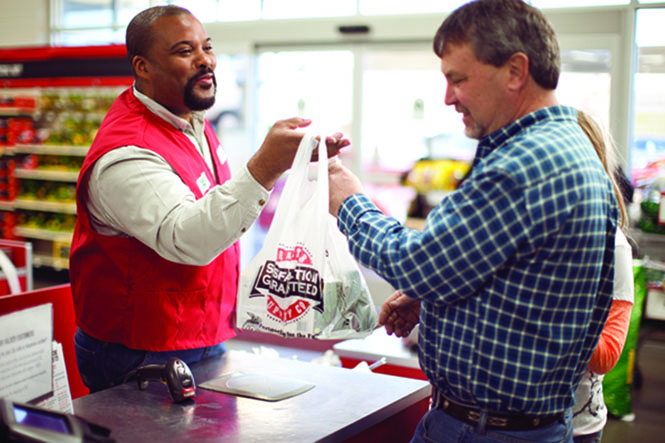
[518, 70]
[140, 66]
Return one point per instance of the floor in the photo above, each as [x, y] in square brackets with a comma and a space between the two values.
[648, 394]
[648, 401]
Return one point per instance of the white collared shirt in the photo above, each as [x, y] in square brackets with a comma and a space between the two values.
[134, 192]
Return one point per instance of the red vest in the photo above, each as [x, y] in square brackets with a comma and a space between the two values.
[124, 292]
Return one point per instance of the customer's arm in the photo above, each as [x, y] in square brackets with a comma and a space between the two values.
[468, 236]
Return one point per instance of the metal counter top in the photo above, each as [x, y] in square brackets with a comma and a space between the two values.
[342, 404]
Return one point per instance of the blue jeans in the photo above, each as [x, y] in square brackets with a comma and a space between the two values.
[589, 438]
[437, 426]
[104, 364]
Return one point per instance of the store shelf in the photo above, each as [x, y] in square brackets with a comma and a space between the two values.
[64, 112]
[43, 234]
[49, 260]
[16, 112]
[52, 149]
[47, 174]
[40, 205]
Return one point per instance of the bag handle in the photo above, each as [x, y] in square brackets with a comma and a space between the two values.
[290, 204]
[322, 181]
[298, 173]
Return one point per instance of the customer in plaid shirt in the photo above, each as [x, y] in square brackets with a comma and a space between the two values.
[511, 279]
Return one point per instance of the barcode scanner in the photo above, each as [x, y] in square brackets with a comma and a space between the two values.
[175, 374]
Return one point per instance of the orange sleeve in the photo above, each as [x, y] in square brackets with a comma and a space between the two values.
[612, 338]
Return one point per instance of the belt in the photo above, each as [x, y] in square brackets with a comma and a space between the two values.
[506, 422]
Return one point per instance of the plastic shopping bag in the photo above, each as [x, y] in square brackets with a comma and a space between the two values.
[304, 282]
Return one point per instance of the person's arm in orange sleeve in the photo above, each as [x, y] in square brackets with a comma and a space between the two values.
[612, 338]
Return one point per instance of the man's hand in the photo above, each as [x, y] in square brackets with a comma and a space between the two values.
[279, 149]
[399, 314]
[341, 183]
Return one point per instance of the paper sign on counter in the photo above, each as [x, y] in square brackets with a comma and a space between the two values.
[25, 353]
[61, 400]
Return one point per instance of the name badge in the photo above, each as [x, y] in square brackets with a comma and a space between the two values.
[221, 155]
[203, 183]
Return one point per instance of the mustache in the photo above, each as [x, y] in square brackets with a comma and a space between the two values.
[201, 73]
[461, 109]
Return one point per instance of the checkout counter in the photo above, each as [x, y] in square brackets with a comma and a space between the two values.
[343, 405]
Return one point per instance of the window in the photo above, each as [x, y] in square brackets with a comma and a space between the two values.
[427, 127]
[543, 4]
[585, 82]
[302, 83]
[648, 145]
[371, 7]
[271, 9]
[90, 22]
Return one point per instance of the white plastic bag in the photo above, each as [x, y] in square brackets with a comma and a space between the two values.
[304, 283]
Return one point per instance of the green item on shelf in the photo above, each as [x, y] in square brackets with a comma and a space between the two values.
[646, 225]
[649, 207]
[648, 221]
[618, 383]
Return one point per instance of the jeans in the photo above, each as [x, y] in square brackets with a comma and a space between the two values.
[588, 438]
[437, 426]
[104, 364]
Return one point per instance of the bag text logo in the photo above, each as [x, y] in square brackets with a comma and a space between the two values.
[301, 283]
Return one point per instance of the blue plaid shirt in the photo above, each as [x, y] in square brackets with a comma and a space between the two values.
[514, 269]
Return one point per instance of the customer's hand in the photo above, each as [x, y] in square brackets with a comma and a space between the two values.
[279, 149]
[399, 314]
[341, 184]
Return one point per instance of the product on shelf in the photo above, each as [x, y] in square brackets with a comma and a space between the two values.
[72, 116]
[46, 126]
[47, 191]
[47, 220]
[436, 175]
[7, 180]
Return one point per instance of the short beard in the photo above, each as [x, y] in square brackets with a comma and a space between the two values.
[473, 132]
[195, 103]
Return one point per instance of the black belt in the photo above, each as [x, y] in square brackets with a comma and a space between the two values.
[472, 416]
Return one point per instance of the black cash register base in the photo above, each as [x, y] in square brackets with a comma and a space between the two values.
[22, 423]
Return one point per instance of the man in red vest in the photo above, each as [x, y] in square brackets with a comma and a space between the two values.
[155, 257]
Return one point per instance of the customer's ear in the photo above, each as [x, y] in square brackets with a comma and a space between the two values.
[518, 70]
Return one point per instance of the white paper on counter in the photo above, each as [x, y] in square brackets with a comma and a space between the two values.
[25, 353]
[61, 400]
